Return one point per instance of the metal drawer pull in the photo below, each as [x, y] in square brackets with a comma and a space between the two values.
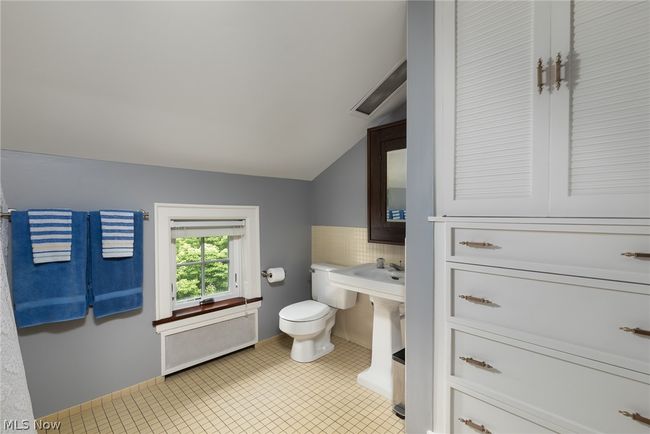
[540, 75]
[636, 255]
[476, 244]
[636, 331]
[635, 416]
[558, 71]
[477, 363]
[470, 423]
[473, 299]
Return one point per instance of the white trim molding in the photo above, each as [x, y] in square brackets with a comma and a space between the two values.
[164, 213]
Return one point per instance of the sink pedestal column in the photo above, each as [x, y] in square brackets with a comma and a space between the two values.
[386, 340]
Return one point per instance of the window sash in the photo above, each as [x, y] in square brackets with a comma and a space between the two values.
[234, 273]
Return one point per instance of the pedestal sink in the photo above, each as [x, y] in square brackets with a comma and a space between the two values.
[386, 290]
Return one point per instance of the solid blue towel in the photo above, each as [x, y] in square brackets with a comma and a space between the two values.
[115, 284]
[48, 292]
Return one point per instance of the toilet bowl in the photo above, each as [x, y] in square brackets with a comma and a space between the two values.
[310, 322]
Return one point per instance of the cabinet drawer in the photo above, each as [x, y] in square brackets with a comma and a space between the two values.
[469, 413]
[585, 312]
[579, 250]
[587, 396]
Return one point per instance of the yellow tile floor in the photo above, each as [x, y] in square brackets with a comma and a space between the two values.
[257, 390]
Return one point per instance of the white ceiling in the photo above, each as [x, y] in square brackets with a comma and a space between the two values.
[261, 88]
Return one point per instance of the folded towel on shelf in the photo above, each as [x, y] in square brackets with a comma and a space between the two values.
[395, 214]
[50, 234]
[47, 292]
[115, 283]
[117, 233]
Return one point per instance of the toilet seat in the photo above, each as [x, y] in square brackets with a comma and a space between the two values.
[308, 310]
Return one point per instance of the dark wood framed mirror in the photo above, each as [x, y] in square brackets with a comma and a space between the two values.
[387, 183]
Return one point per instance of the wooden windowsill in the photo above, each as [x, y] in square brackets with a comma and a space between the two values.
[188, 312]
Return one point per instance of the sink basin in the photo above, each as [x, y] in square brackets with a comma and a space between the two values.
[386, 290]
[368, 279]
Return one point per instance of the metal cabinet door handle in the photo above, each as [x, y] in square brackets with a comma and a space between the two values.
[635, 416]
[476, 244]
[477, 363]
[470, 423]
[636, 254]
[539, 69]
[636, 331]
[558, 71]
[472, 299]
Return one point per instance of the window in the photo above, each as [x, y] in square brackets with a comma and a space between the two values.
[203, 268]
[206, 260]
[204, 253]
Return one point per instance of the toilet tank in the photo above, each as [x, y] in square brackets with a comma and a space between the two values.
[323, 291]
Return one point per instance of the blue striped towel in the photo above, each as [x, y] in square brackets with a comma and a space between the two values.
[117, 233]
[50, 232]
[393, 214]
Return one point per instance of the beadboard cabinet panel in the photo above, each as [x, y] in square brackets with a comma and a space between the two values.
[569, 140]
[600, 115]
[495, 140]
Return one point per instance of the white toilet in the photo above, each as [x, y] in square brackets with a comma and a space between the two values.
[310, 322]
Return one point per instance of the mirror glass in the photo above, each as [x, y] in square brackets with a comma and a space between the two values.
[396, 185]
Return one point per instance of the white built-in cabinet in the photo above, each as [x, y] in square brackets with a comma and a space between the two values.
[542, 236]
[543, 108]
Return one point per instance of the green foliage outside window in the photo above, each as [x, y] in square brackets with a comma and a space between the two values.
[192, 261]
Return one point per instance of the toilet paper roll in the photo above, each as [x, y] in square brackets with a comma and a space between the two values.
[274, 275]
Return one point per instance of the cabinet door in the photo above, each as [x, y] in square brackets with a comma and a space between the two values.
[600, 115]
[492, 123]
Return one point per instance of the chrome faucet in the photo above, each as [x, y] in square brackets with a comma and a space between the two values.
[380, 263]
[396, 267]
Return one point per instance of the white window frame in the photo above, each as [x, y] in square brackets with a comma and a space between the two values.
[235, 246]
[165, 257]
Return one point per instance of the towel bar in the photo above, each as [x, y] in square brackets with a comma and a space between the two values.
[7, 214]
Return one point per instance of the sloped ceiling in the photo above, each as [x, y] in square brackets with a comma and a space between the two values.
[260, 88]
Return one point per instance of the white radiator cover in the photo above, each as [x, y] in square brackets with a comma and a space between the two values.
[188, 347]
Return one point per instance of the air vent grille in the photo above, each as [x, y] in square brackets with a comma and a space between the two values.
[191, 347]
[385, 89]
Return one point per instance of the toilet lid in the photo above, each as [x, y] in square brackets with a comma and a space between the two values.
[304, 311]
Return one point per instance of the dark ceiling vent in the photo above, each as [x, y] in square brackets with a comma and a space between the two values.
[382, 91]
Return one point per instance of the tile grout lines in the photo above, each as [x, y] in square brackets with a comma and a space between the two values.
[253, 391]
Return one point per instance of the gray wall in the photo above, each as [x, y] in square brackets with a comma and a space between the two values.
[75, 361]
[339, 195]
[419, 232]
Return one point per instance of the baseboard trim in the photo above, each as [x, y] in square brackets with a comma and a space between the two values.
[67, 412]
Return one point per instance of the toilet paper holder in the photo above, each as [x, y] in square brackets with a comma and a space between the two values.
[274, 275]
[267, 274]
